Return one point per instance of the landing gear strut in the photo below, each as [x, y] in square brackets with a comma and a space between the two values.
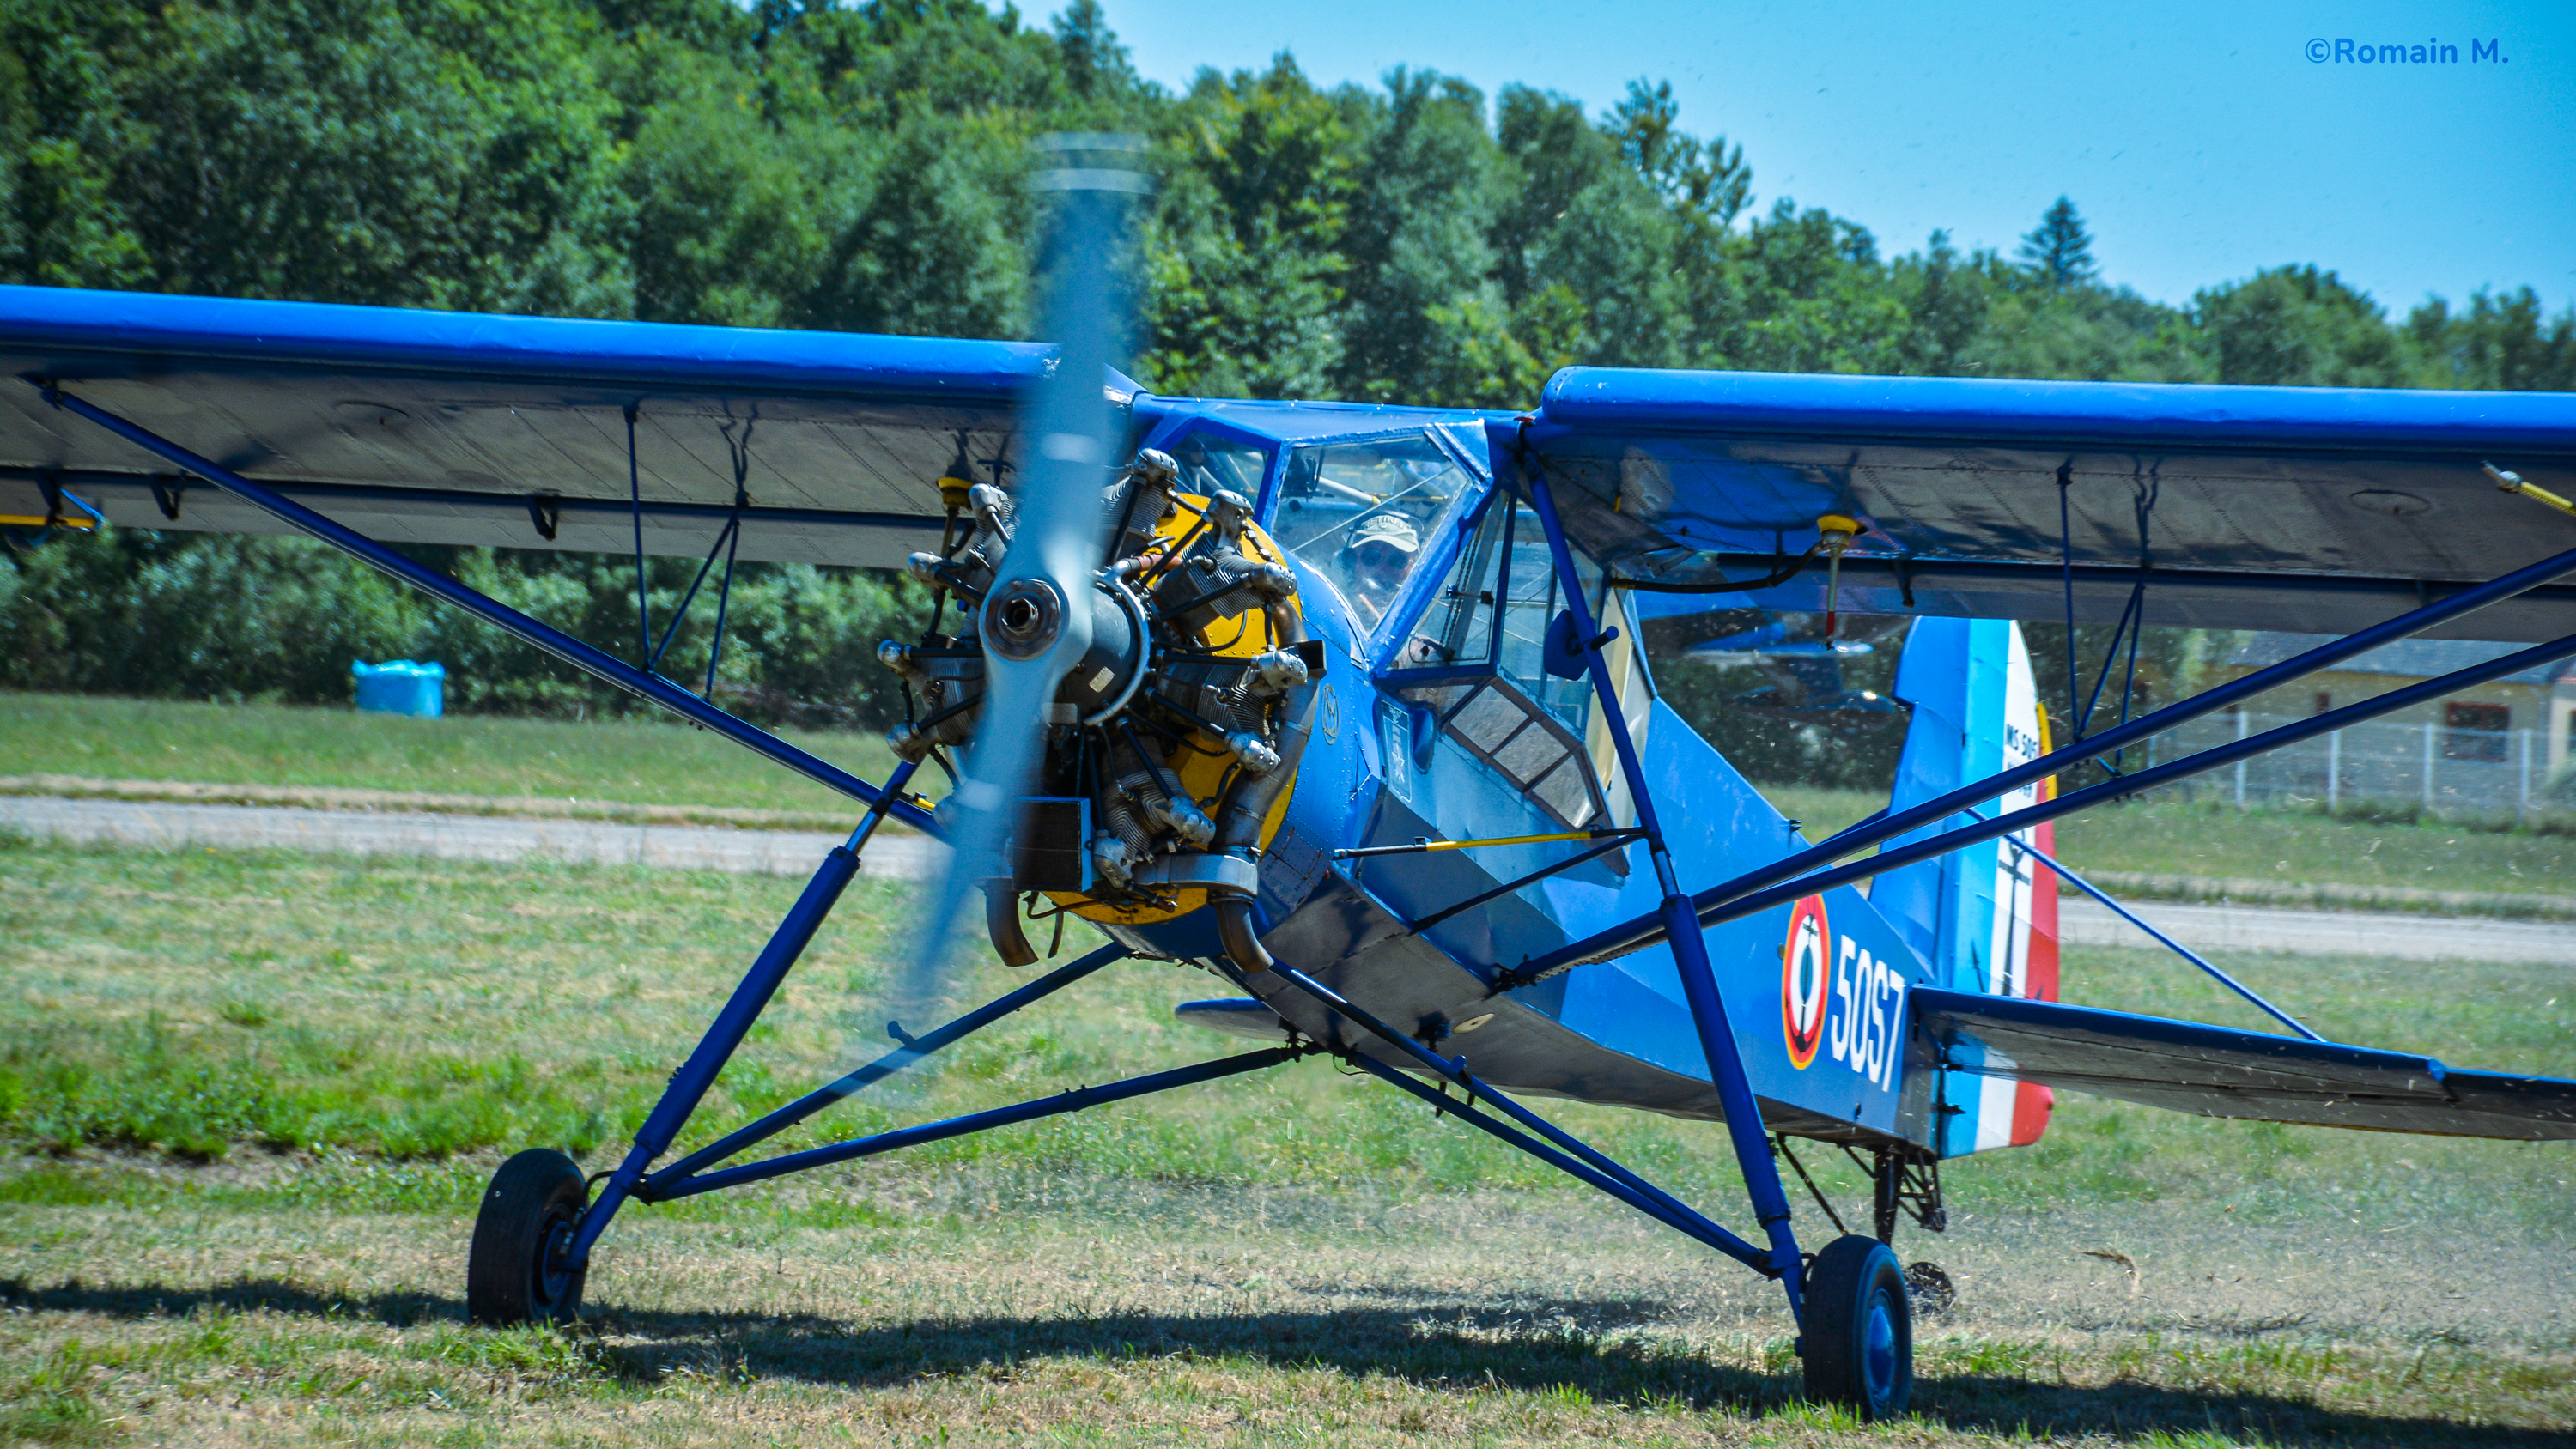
[1908, 1182]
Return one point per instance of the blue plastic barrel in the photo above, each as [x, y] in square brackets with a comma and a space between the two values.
[402, 687]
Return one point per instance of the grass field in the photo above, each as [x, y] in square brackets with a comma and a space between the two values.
[251, 1100]
[2287, 848]
[653, 764]
[637, 762]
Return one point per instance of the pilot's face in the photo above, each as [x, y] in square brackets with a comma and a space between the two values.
[1381, 566]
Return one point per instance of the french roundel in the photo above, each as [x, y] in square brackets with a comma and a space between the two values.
[1805, 968]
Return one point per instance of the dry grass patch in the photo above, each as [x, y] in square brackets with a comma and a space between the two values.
[243, 1157]
[1121, 1315]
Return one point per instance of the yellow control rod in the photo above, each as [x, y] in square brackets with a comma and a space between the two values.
[2512, 483]
[1425, 844]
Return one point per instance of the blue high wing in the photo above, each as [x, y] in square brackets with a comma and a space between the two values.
[458, 428]
[2317, 510]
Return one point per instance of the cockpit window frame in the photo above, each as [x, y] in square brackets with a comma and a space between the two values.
[1440, 547]
[1449, 693]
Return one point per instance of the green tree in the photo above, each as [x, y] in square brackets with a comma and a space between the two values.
[1705, 181]
[2299, 327]
[414, 152]
[864, 167]
[1947, 298]
[1096, 65]
[1810, 295]
[1244, 268]
[2058, 249]
[2086, 332]
[1430, 184]
[129, 611]
[2496, 342]
[64, 132]
[1586, 250]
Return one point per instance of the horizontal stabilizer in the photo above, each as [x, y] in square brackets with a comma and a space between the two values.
[2218, 1071]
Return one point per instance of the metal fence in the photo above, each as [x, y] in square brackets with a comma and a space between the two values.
[2430, 764]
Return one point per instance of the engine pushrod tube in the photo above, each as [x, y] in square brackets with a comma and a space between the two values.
[1652, 1199]
[584, 657]
[2103, 794]
[887, 1065]
[1688, 1224]
[1072, 1100]
[2169, 943]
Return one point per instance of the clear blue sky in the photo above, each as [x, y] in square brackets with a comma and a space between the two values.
[2197, 138]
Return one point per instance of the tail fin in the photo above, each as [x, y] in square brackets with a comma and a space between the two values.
[1986, 916]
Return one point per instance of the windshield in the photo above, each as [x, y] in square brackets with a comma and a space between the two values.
[1212, 461]
[1362, 514]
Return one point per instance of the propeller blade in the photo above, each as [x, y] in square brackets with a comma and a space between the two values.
[1035, 622]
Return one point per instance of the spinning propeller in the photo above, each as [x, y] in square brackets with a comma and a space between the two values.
[1136, 687]
[1038, 565]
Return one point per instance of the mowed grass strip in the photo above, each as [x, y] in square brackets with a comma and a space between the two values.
[197, 1002]
[255, 1097]
[648, 762]
[645, 761]
[2287, 849]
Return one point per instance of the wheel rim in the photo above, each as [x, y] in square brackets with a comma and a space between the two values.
[551, 1276]
[1878, 1349]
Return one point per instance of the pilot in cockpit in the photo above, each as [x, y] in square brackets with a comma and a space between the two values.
[1375, 561]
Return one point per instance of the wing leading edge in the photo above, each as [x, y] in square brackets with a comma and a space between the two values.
[444, 427]
[2319, 510]
[2216, 1071]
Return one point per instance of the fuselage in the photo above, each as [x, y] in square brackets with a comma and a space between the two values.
[1440, 718]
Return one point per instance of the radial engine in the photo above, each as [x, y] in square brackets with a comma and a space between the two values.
[1170, 745]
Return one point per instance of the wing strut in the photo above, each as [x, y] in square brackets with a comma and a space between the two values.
[592, 661]
[1690, 951]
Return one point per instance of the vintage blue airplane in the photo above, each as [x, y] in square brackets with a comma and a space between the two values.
[1347, 704]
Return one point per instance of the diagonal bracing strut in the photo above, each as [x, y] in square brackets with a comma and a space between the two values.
[1646, 930]
[1739, 898]
[588, 659]
[1690, 949]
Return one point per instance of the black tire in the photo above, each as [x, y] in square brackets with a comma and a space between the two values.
[1859, 1334]
[514, 1273]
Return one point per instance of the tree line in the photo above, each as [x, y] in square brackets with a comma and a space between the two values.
[864, 168]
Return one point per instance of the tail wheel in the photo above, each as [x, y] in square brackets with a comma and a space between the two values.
[1859, 1335]
[515, 1272]
[1932, 1291]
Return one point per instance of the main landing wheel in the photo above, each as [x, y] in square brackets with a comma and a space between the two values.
[515, 1271]
[1859, 1334]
